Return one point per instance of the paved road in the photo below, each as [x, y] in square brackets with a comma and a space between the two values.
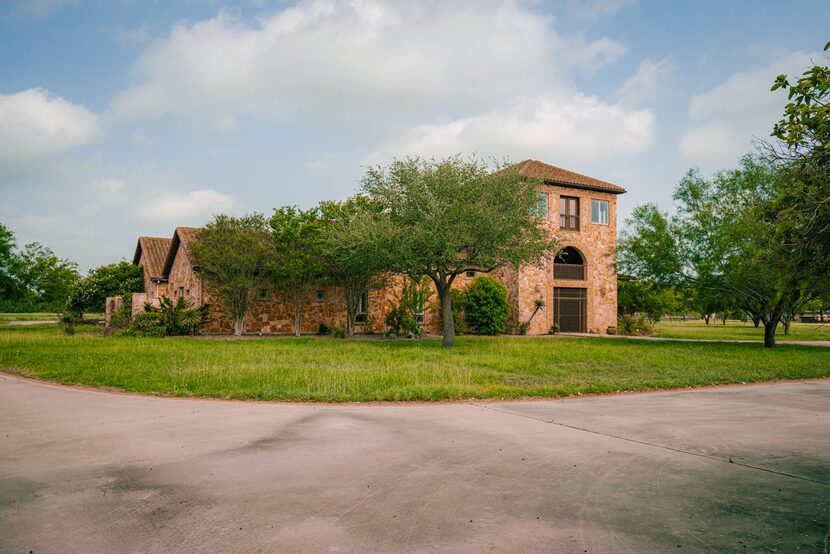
[84, 471]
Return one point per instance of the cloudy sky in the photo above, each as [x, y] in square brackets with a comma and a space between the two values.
[121, 118]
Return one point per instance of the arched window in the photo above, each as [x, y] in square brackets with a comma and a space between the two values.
[569, 264]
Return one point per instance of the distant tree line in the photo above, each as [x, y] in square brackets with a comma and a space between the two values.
[757, 236]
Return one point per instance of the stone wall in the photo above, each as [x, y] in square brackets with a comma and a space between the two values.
[596, 244]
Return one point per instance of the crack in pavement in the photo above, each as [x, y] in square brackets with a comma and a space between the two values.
[653, 445]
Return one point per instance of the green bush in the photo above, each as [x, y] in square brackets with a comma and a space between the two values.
[403, 319]
[634, 325]
[323, 329]
[178, 317]
[485, 306]
[145, 324]
[338, 332]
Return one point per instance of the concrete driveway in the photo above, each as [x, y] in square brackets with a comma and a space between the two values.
[734, 469]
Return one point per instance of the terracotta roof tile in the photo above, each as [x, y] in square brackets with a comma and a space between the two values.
[155, 250]
[556, 175]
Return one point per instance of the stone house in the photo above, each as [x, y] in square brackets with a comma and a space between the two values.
[578, 285]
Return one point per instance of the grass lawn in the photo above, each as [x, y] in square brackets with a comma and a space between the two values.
[8, 317]
[39, 316]
[735, 330]
[335, 370]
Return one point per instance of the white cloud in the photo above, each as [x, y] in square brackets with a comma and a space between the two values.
[645, 84]
[192, 208]
[35, 122]
[564, 128]
[731, 115]
[348, 60]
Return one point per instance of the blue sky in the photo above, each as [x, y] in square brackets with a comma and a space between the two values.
[126, 117]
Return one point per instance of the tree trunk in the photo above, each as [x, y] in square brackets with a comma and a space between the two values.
[445, 298]
[237, 325]
[297, 304]
[786, 322]
[706, 318]
[756, 321]
[769, 331]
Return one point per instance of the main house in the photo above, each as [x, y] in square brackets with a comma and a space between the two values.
[577, 285]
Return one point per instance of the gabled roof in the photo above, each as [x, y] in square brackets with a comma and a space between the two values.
[155, 251]
[184, 237]
[553, 175]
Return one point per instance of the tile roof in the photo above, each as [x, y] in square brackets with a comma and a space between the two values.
[184, 237]
[558, 176]
[155, 251]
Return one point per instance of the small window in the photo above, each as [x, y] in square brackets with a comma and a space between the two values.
[362, 308]
[569, 212]
[181, 292]
[263, 294]
[471, 273]
[541, 207]
[320, 295]
[599, 212]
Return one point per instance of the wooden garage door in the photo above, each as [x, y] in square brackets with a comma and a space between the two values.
[569, 309]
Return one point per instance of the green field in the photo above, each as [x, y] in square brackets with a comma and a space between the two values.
[326, 369]
[38, 316]
[736, 330]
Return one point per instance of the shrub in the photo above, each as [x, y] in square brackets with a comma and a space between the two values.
[403, 319]
[538, 304]
[486, 307]
[554, 329]
[323, 329]
[459, 301]
[179, 318]
[338, 332]
[69, 320]
[145, 324]
[634, 325]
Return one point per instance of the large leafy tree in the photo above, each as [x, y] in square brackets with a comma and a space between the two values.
[723, 238]
[47, 279]
[9, 286]
[298, 255]
[802, 153]
[646, 298]
[119, 279]
[233, 255]
[456, 214]
[355, 249]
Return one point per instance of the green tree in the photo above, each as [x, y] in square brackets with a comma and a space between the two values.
[705, 302]
[298, 255]
[456, 214]
[10, 288]
[646, 298]
[485, 306]
[803, 157]
[355, 250]
[233, 255]
[47, 279]
[723, 238]
[90, 293]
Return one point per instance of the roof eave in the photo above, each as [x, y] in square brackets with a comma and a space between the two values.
[583, 187]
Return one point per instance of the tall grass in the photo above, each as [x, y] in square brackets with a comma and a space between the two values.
[324, 369]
